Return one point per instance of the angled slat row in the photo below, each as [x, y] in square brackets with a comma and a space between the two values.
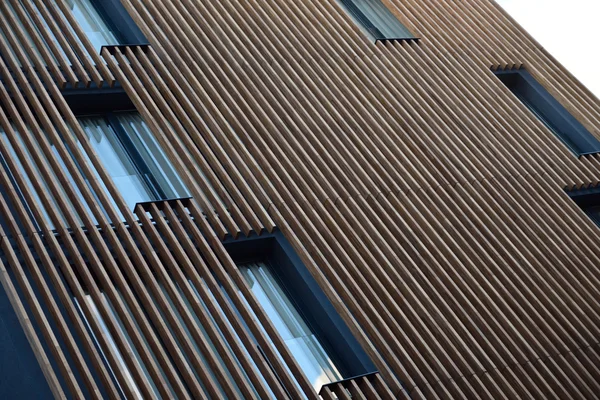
[426, 201]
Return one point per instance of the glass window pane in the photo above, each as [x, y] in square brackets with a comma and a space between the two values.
[116, 160]
[153, 155]
[297, 335]
[120, 362]
[376, 19]
[221, 316]
[28, 41]
[92, 23]
[87, 16]
[121, 365]
[145, 177]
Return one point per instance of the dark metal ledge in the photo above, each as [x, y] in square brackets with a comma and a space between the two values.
[112, 49]
[160, 204]
[408, 39]
[345, 381]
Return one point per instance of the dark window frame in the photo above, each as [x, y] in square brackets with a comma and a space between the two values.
[589, 201]
[549, 111]
[107, 103]
[307, 296]
[94, 100]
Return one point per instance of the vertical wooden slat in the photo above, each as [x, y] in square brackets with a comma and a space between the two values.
[57, 27]
[39, 43]
[75, 35]
[265, 370]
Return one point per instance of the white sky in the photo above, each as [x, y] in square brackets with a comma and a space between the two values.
[568, 29]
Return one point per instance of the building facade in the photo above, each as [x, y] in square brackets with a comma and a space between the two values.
[366, 199]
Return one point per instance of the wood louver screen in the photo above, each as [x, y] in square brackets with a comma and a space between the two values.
[427, 203]
[49, 31]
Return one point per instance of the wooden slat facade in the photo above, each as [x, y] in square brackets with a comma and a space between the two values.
[428, 203]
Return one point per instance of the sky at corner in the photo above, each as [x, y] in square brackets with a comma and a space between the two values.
[569, 30]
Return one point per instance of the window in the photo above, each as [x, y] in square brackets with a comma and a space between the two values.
[193, 310]
[104, 22]
[375, 19]
[589, 201]
[113, 346]
[133, 158]
[550, 112]
[17, 150]
[300, 339]
[314, 333]
[128, 150]
[93, 24]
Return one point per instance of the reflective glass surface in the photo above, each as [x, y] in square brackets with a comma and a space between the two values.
[116, 161]
[297, 335]
[113, 348]
[376, 19]
[152, 154]
[92, 23]
[133, 158]
[96, 29]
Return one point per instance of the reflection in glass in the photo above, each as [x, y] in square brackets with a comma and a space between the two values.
[297, 335]
[159, 168]
[116, 160]
[92, 23]
[118, 354]
[221, 316]
[27, 37]
[133, 158]
[128, 150]
[206, 337]
[121, 365]
[376, 19]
